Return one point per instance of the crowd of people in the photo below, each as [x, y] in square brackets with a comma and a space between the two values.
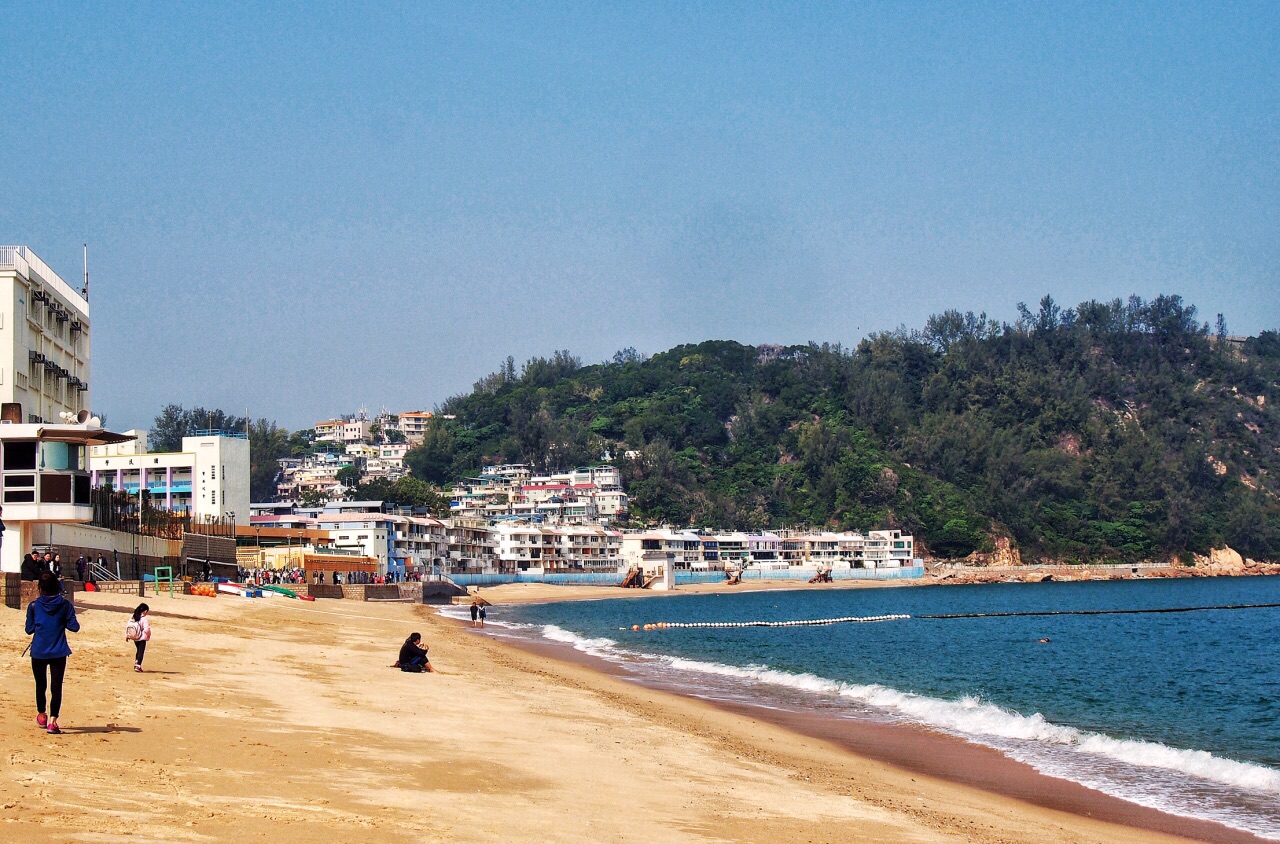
[36, 563]
[297, 575]
[276, 577]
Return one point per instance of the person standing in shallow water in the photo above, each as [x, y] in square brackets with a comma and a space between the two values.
[49, 617]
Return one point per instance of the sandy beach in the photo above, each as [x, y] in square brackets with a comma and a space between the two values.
[277, 720]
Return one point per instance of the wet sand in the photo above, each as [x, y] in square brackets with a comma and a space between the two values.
[274, 720]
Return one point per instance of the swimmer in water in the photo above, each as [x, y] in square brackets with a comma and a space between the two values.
[1044, 641]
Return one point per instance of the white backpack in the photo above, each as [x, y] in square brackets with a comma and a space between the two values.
[132, 630]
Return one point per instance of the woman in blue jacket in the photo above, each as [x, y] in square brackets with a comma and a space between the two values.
[49, 617]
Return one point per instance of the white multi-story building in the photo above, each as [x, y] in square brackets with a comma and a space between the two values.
[684, 545]
[471, 546]
[876, 549]
[44, 338]
[208, 478]
[581, 548]
[517, 546]
[413, 424]
[386, 461]
[582, 496]
[419, 543]
[343, 430]
[368, 534]
[311, 472]
[716, 551]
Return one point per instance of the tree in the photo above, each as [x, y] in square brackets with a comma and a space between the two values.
[174, 422]
[433, 460]
[168, 429]
[313, 498]
[349, 476]
[405, 492]
[1086, 433]
[268, 442]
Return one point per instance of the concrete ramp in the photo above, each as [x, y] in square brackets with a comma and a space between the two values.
[441, 591]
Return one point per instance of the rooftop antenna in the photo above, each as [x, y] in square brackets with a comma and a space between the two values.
[85, 290]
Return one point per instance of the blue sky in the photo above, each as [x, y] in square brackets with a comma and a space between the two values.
[302, 208]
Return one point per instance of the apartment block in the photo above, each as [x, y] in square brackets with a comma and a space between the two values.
[413, 424]
[343, 430]
[44, 338]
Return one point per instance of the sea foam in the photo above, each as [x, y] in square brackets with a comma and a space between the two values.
[968, 717]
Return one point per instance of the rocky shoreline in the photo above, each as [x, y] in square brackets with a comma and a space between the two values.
[1223, 562]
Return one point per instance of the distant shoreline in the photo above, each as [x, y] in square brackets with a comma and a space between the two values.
[539, 593]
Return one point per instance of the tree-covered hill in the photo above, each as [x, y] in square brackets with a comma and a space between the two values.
[1113, 430]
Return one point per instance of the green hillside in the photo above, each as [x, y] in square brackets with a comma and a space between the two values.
[1114, 430]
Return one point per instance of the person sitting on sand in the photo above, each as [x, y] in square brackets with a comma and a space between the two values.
[413, 657]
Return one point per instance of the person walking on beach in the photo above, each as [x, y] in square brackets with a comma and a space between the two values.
[49, 617]
[483, 615]
[475, 614]
[138, 630]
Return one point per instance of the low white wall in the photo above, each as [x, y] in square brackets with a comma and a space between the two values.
[89, 536]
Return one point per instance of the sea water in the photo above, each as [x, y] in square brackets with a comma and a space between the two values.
[1179, 712]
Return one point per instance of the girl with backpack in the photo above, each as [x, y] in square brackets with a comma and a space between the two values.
[138, 630]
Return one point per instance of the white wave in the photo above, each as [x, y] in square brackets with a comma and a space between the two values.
[970, 717]
[1198, 763]
[600, 647]
[803, 682]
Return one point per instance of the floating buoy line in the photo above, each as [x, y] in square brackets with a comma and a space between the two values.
[811, 622]
[852, 619]
[1102, 612]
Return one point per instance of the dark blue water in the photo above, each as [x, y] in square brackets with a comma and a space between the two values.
[1176, 711]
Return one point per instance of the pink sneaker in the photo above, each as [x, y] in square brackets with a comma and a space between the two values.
[138, 668]
[42, 720]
